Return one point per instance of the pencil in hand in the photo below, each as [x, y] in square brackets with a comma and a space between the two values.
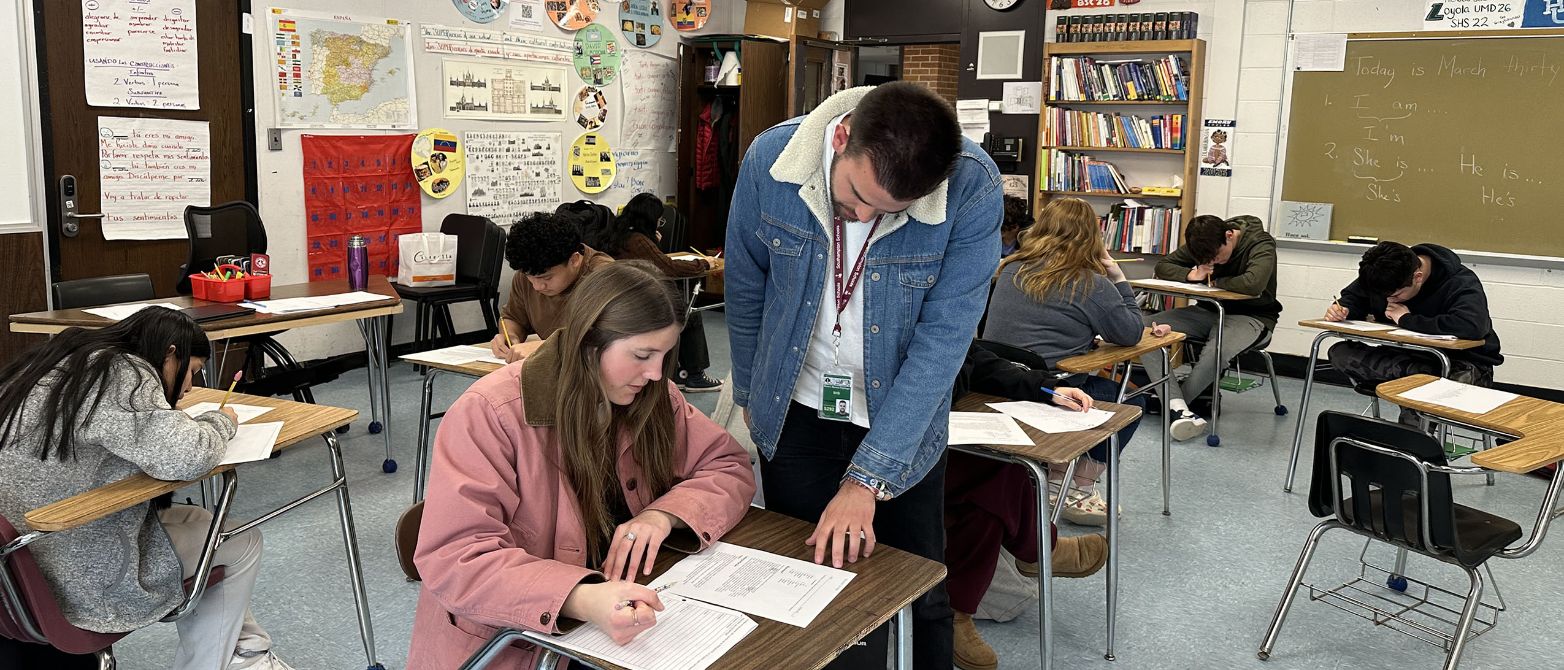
[230, 392]
[506, 330]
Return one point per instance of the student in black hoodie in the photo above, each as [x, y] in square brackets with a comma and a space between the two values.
[1424, 289]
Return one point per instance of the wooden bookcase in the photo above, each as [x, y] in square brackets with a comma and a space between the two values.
[1194, 52]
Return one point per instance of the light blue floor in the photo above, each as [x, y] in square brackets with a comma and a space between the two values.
[1197, 588]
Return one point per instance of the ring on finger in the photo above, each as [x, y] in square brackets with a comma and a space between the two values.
[630, 535]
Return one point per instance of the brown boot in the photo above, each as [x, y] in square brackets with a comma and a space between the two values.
[1080, 555]
[972, 653]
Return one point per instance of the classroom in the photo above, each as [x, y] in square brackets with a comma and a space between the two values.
[775, 334]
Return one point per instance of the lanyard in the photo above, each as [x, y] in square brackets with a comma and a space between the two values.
[844, 292]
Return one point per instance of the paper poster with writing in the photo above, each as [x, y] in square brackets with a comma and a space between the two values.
[506, 90]
[635, 172]
[572, 14]
[357, 185]
[481, 11]
[140, 53]
[652, 81]
[496, 44]
[148, 171]
[512, 174]
[526, 15]
[596, 55]
[591, 163]
[590, 108]
[438, 164]
[1216, 147]
[641, 21]
[689, 14]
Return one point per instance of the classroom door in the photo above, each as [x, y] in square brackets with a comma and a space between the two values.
[70, 137]
[818, 69]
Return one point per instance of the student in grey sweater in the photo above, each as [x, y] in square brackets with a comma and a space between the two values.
[92, 407]
[1054, 296]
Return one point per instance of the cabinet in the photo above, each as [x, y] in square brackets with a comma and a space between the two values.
[903, 21]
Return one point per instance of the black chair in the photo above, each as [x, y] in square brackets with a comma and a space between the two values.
[1014, 354]
[235, 228]
[1391, 483]
[97, 291]
[480, 253]
[674, 229]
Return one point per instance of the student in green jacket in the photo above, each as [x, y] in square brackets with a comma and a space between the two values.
[1234, 255]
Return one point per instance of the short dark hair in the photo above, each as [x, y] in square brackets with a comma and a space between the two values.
[1017, 214]
[541, 240]
[910, 136]
[1205, 236]
[1387, 267]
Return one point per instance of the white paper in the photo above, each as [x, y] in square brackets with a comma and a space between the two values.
[1018, 185]
[986, 428]
[458, 355]
[252, 442]
[650, 83]
[1306, 220]
[526, 15]
[638, 172]
[489, 359]
[512, 174]
[503, 90]
[1458, 396]
[757, 582]
[312, 303]
[1486, 14]
[1173, 285]
[149, 170]
[1363, 325]
[1052, 418]
[245, 412]
[973, 117]
[140, 53]
[122, 312]
[338, 70]
[1319, 52]
[1424, 336]
[1023, 97]
[689, 635]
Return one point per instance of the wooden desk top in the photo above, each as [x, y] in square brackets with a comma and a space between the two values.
[1052, 448]
[1539, 425]
[476, 368]
[1112, 354]
[887, 581]
[1141, 285]
[1384, 335]
[300, 422]
[54, 321]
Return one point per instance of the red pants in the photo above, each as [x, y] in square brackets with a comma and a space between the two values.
[988, 504]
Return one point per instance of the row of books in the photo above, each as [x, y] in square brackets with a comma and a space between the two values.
[1074, 128]
[1141, 229]
[1115, 27]
[1088, 79]
[1068, 171]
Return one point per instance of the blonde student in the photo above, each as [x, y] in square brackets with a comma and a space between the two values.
[558, 480]
[92, 407]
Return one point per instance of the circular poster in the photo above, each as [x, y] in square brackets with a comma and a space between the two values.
[590, 108]
[689, 14]
[591, 163]
[481, 11]
[641, 21]
[571, 14]
[437, 161]
[596, 55]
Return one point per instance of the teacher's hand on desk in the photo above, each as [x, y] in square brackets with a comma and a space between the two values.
[847, 526]
[621, 609]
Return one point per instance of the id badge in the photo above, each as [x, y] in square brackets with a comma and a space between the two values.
[836, 395]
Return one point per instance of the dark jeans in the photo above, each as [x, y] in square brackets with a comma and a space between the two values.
[988, 504]
[1102, 388]
[1363, 363]
[693, 356]
[804, 475]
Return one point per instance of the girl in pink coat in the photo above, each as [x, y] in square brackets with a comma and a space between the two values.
[558, 479]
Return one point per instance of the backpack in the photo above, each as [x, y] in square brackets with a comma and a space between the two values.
[595, 222]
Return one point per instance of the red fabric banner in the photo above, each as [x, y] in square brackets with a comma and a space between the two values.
[358, 185]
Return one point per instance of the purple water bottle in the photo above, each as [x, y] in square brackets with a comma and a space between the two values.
[358, 263]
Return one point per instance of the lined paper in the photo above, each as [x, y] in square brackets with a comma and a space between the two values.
[689, 635]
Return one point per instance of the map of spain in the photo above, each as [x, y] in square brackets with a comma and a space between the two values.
[334, 73]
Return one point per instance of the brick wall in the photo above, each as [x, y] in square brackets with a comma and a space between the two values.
[936, 66]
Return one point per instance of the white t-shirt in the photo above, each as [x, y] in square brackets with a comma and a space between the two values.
[821, 356]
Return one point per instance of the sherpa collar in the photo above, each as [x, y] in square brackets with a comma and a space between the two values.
[800, 161]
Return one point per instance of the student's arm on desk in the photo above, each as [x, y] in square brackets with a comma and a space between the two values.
[744, 292]
[1256, 275]
[1466, 317]
[165, 443]
[1175, 266]
[1115, 314]
[717, 482]
[1355, 301]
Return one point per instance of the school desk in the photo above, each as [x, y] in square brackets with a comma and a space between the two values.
[1111, 356]
[687, 284]
[300, 421]
[1215, 298]
[1060, 450]
[1330, 329]
[373, 320]
[884, 588]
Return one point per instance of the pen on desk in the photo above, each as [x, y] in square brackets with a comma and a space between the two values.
[230, 392]
[506, 331]
[1061, 396]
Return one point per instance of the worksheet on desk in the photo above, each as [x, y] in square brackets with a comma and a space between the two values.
[1052, 418]
[122, 312]
[757, 582]
[244, 412]
[689, 635]
[986, 428]
[1458, 396]
[1177, 285]
[461, 354]
[252, 442]
[1426, 336]
[1368, 326]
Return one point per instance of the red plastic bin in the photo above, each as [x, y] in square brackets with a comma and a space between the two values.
[257, 287]
[216, 290]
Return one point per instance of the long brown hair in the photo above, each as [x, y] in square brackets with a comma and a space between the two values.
[619, 300]
[1060, 251]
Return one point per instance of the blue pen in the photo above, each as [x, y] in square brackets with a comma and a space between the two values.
[1056, 394]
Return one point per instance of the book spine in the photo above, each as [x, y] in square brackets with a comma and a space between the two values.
[1159, 26]
[1061, 28]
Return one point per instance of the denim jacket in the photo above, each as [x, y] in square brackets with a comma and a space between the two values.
[926, 277]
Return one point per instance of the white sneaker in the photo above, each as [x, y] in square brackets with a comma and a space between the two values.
[265, 660]
[1186, 425]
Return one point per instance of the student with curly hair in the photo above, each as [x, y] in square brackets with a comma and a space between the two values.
[546, 251]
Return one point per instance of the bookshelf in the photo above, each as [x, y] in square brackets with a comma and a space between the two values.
[1140, 160]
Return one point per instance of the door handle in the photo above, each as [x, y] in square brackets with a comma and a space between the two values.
[84, 216]
[68, 219]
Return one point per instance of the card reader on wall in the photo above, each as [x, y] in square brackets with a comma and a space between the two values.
[1003, 149]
